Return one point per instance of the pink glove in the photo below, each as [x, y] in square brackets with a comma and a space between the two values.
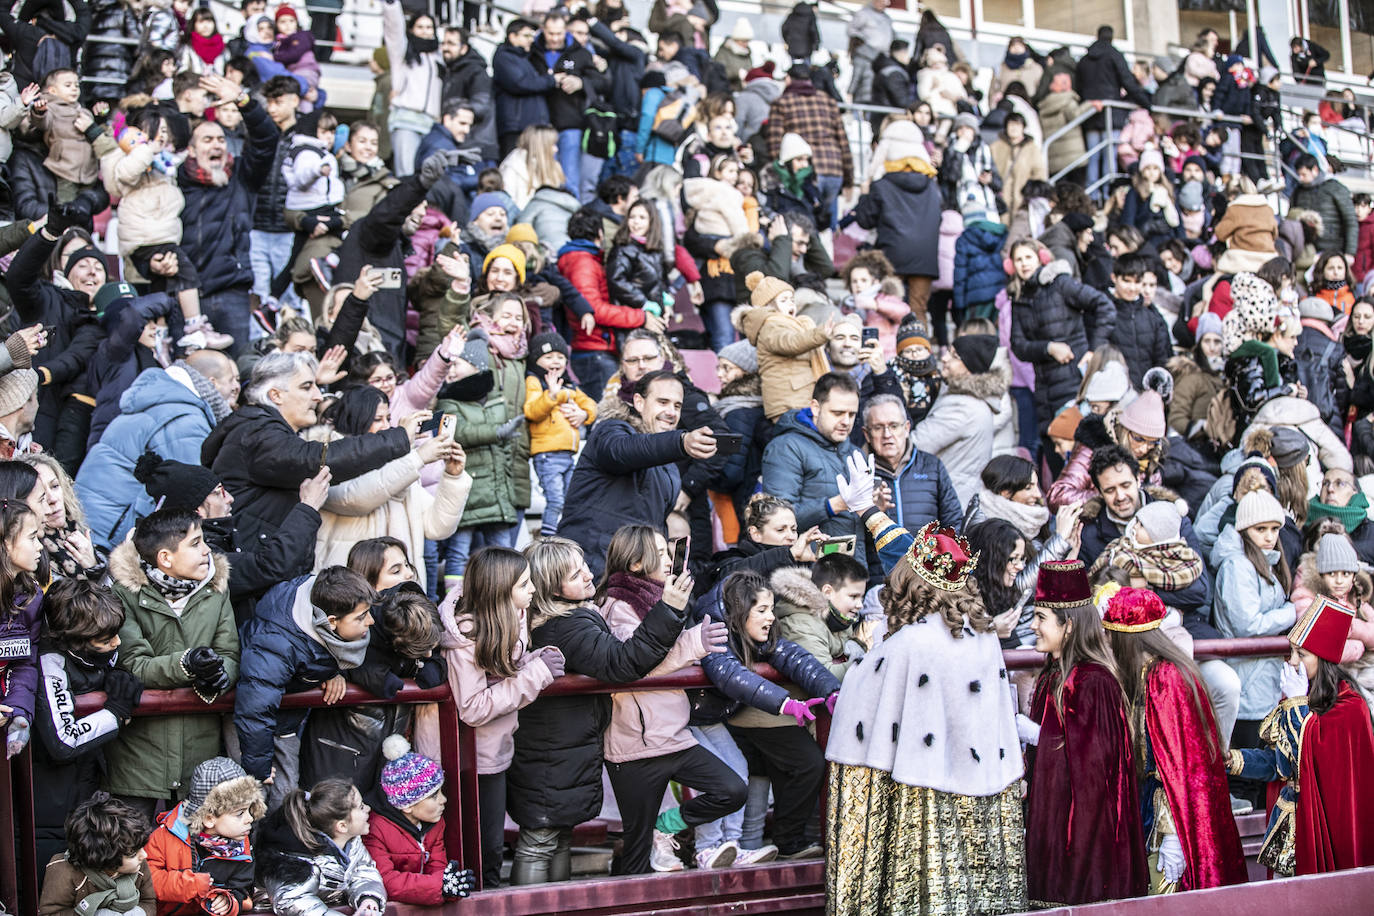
[830, 702]
[800, 710]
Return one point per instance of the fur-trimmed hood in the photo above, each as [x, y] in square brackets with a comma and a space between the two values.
[796, 593]
[988, 387]
[125, 569]
[1182, 365]
[1093, 507]
[1052, 271]
[1362, 591]
[612, 408]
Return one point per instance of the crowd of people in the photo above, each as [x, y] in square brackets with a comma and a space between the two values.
[281, 391]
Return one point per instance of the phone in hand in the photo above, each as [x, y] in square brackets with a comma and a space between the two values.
[729, 443]
[678, 550]
[448, 426]
[391, 278]
[432, 424]
[870, 336]
[844, 545]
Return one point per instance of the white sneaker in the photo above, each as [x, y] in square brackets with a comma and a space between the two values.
[756, 856]
[663, 857]
[721, 856]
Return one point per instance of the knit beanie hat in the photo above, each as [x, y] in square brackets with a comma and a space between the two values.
[1335, 553]
[1257, 508]
[1262, 465]
[111, 293]
[16, 387]
[977, 351]
[285, 10]
[1065, 423]
[1151, 157]
[1289, 446]
[408, 777]
[760, 73]
[547, 342]
[1190, 196]
[174, 484]
[1110, 383]
[80, 255]
[1145, 416]
[742, 354]
[476, 351]
[486, 201]
[1159, 520]
[205, 777]
[791, 147]
[520, 232]
[1208, 323]
[904, 140]
[965, 119]
[764, 289]
[1077, 222]
[742, 30]
[912, 333]
[510, 253]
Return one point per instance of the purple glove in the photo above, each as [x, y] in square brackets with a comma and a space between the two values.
[800, 710]
[553, 658]
[715, 636]
[830, 702]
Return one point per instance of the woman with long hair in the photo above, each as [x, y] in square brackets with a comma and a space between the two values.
[1321, 729]
[1084, 840]
[66, 538]
[1178, 751]
[416, 83]
[533, 164]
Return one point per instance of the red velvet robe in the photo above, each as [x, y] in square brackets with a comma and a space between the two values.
[1335, 817]
[1084, 840]
[1194, 779]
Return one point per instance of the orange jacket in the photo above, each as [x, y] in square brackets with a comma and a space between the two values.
[180, 890]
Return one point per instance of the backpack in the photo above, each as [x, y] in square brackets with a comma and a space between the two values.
[672, 117]
[50, 54]
[1221, 419]
[599, 138]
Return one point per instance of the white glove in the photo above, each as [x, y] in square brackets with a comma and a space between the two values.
[1171, 863]
[1292, 681]
[856, 485]
[1026, 730]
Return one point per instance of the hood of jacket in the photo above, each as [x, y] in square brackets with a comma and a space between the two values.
[766, 88]
[1052, 271]
[796, 593]
[910, 182]
[987, 386]
[1098, 49]
[612, 408]
[466, 63]
[153, 388]
[553, 197]
[987, 235]
[125, 569]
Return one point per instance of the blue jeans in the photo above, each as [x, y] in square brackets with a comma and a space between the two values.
[1028, 433]
[570, 157]
[1096, 160]
[830, 187]
[591, 177]
[269, 253]
[229, 311]
[554, 470]
[465, 541]
[716, 317]
[593, 369]
[405, 144]
[716, 739]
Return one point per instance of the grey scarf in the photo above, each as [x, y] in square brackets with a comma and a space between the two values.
[206, 391]
[348, 653]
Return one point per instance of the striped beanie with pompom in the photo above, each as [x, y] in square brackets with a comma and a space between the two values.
[408, 777]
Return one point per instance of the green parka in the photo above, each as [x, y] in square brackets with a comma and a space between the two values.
[500, 469]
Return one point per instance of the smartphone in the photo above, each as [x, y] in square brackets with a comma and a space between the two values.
[448, 426]
[729, 443]
[432, 424]
[870, 336]
[391, 278]
[844, 545]
[48, 330]
[679, 548]
[324, 454]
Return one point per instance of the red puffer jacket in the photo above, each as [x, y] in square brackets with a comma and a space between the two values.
[581, 262]
[411, 860]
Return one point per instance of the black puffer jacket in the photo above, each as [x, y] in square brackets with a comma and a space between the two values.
[1142, 337]
[106, 60]
[738, 686]
[467, 78]
[566, 109]
[30, 182]
[1053, 307]
[269, 213]
[1248, 384]
[635, 276]
[626, 70]
[555, 777]
[1102, 73]
[904, 208]
[262, 461]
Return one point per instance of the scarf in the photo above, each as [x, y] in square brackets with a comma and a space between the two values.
[195, 172]
[1351, 515]
[415, 46]
[792, 182]
[1168, 565]
[910, 164]
[209, 48]
[110, 892]
[1015, 61]
[348, 653]
[1334, 284]
[169, 586]
[1029, 520]
[836, 622]
[640, 594]
[220, 847]
[206, 391]
[507, 346]
[486, 241]
[63, 563]
[1358, 346]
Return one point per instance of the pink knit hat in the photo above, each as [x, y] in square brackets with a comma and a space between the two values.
[1145, 416]
[408, 777]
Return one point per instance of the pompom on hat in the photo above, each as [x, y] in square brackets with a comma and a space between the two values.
[1063, 584]
[942, 557]
[763, 289]
[408, 777]
[1134, 610]
[1323, 629]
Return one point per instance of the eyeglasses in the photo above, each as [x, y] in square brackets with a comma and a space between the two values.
[1141, 440]
[1338, 483]
[641, 360]
[383, 379]
[885, 429]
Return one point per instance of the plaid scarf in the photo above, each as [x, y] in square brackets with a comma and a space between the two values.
[200, 175]
[1167, 566]
[219, 847]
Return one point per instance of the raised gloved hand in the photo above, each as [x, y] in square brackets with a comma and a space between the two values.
[1292, 681]
[17, 736]
[830, 702]
[458, 881]
[856, 485]
[1027, 731]
[436, 165]
[507, 430]
[122, 692]
[62, 217]
[801, 709]
[1171, 862]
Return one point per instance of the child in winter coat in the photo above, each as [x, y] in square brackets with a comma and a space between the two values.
[648, 742]
[1135, 137]
[714, 203]
[1153, 552]
[769, 720]
[314, 190]
[978, 273]
[76, 656]
[294, 48]
[635, 271]
[67, 129]
[200, 855]
[104, 869]
[1334, 571]
[551, 404]
[1331, 282]
[405, 834]
[179, 631]
[875, 291]
[137, 340]
[21, 619]
[311, 854]
[1253, 583]
[822, 611]
[791, 349]
[492, 675]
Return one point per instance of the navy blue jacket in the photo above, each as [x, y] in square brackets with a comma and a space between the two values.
[978, 273]
[465, 176]
[277, 657]
[626, 70]
[216, 221]
[520, 90]
[120, 359]
[738, 686]
[922, 491]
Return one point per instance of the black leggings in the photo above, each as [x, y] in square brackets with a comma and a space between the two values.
[791, 760]
[491, 808]
[639, 786]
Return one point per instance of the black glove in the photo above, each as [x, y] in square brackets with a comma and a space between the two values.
[122, 692]
[508, 429]
[430, 673]
[458, 881]
[62, 217]
[436, 165]
[1092, 432]
[202, 663]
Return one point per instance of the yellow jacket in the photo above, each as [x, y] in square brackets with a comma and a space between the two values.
[550, 431]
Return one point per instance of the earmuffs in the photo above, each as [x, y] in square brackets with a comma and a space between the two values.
[1044, 254]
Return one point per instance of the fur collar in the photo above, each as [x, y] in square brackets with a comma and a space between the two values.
[749, 385]
[796, 592]
[1182, 365]
[612, 408]
[742, 242]
[126, 571]
[986, 386]
[1052, 271]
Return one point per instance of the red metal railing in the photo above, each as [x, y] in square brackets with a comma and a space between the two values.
[19, 873]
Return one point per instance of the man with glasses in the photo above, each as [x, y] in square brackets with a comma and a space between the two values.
[913, 487]
[1340, 499]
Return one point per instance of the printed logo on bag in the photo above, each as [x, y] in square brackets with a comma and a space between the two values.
[17, 647]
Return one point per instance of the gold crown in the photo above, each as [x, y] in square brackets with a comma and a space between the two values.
[942, 557]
